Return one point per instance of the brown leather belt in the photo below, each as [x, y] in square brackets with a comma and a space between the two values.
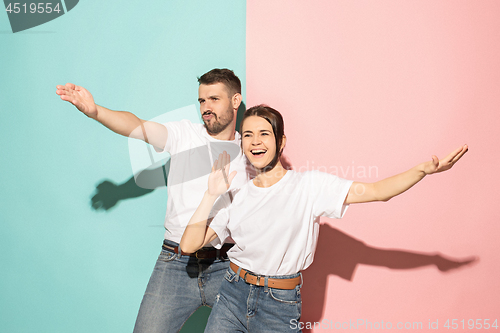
[203, 253]
[287, 284]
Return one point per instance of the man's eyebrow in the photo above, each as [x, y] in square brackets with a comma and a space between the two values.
[209, 97]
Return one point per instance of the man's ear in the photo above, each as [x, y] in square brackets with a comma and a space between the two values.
[236, 100]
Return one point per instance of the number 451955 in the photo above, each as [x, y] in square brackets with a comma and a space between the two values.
[471, 324]
[33, 8]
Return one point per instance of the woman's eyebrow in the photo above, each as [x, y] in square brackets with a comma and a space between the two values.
[262, 130]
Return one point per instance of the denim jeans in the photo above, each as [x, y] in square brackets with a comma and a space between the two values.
[178, 286]
[243, 307]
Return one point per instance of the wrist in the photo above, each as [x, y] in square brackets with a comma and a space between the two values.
[97, 113]
[210, 196]
[423, 168]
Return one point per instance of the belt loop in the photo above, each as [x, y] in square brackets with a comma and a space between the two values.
[301, 280]
[179, 251]
[265, 284]
[217, 254]
[238, 274]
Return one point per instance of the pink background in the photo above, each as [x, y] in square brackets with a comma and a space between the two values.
[386, 84]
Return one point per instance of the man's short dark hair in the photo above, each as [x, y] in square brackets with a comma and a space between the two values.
[225, 76]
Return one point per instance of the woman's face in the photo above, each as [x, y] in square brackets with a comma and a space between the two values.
[258, 142]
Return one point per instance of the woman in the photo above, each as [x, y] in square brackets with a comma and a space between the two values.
[274, 222]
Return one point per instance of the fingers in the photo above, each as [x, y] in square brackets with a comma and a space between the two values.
[61, 90]
[227, 160]
[66, 87]
[457, 153]
[222, 162]
[454, 156]
[435, 160]
[465, 148]
[70, 99]
[231, 176]
[65, 93]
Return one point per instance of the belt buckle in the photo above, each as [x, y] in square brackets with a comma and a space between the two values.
[258, 281]
[202, 253]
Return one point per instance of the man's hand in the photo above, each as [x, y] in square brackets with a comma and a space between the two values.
[79, 97]
[446, 163]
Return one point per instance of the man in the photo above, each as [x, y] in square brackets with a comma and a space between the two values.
[181, 283]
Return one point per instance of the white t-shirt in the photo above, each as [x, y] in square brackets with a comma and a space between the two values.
[192, 152]
[276, 229]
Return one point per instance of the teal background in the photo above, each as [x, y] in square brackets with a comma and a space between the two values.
[65, 266]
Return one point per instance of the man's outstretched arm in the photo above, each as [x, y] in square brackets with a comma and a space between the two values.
[390, 187]
[121, 122]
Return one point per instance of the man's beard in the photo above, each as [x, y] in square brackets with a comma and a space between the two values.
[219, 123]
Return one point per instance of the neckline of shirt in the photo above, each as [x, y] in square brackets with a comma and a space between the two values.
[279, 183]
[237, 136]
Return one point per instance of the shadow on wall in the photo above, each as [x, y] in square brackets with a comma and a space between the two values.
[339, 254]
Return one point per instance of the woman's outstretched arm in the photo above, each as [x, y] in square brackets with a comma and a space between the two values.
[388, 188]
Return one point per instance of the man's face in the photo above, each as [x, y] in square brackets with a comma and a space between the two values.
[216, 107]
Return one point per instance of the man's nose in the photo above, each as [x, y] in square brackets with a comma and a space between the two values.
[206, 107]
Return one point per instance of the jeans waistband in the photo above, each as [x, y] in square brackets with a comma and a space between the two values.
[287, 282]
[207, 252]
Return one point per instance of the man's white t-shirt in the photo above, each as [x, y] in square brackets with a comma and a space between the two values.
[193, 152]
[276, 229]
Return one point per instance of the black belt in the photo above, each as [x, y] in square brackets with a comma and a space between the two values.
[203, 253]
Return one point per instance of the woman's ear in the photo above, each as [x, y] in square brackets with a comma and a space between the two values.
[283, 143]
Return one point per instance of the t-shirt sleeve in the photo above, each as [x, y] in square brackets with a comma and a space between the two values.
[219, 225]
[330, 193]
[175, 130]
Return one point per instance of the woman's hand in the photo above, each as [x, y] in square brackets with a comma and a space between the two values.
[218, 181]
[446, 163]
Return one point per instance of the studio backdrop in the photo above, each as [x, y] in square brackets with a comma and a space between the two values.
[367, 89]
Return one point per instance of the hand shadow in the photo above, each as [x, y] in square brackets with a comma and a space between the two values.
[108, 194]
[340, 254]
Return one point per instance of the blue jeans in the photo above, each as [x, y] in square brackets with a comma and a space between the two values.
[178, 286]
[243, 307]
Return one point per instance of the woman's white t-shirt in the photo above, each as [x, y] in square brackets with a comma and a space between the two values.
[276, 228]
